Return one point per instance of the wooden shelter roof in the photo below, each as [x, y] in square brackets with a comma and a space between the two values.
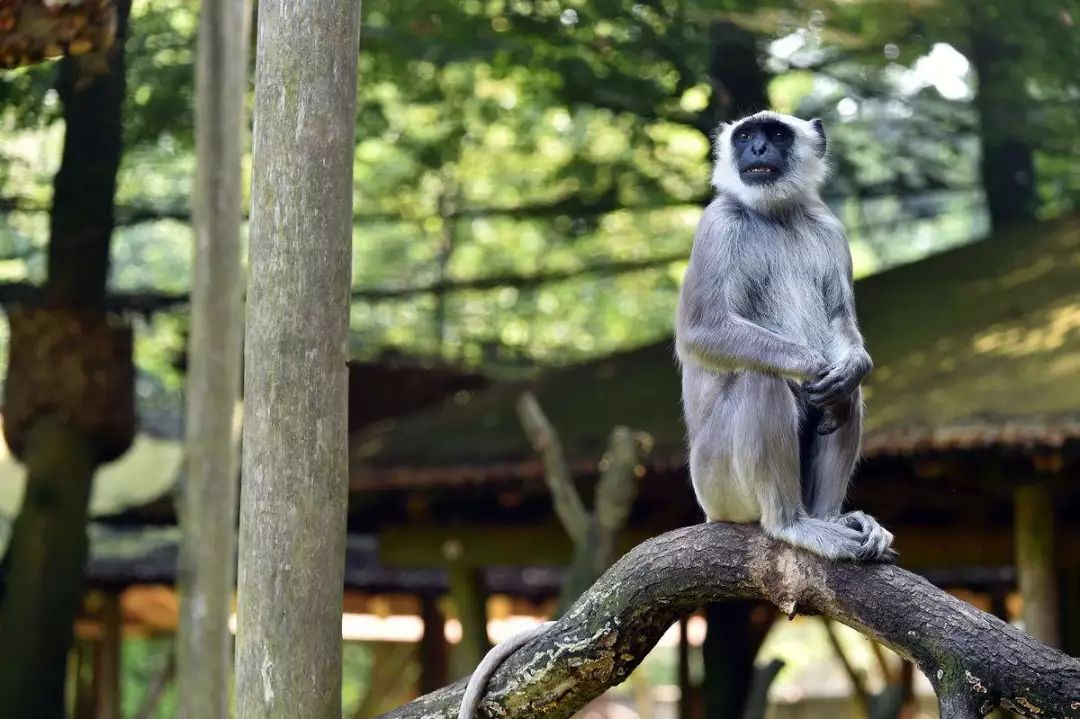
[974, 348]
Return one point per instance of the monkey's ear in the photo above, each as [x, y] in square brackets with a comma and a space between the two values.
[719, 131]
[819, 128]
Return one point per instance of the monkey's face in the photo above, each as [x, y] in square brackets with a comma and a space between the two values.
[761, 150]
[769, 160]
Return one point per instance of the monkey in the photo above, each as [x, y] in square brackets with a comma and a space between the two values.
[769, 347]
[771, 355]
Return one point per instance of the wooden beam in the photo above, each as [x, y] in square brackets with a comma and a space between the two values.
[921, 548]
[1034, 536]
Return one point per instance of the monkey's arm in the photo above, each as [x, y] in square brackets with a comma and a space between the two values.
[849, 362]
[735, 343]
[710, 332]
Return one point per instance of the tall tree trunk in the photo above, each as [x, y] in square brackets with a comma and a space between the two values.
[81, 222]
[209, 503]
[62, 415]
[295, 475]
[45, 567]
[1007, 165]
[739, 83]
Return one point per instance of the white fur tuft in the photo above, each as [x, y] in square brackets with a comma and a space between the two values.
[805, 173]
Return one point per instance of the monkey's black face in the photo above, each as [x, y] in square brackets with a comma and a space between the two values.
[761, 150]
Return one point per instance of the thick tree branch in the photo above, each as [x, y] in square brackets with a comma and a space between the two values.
[976, 661]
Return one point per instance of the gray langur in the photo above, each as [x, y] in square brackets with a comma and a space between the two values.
[769, 347]
[771, 355]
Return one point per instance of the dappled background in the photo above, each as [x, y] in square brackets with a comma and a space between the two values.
[528, 176]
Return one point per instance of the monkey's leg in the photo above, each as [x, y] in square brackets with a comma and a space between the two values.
[826, 476]
[829, 463]
[764, 420]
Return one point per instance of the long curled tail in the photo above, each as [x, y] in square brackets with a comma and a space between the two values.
[474, 690]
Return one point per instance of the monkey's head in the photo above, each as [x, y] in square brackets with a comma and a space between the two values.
[768, 160]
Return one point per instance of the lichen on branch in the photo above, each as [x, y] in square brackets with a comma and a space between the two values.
[975, 661]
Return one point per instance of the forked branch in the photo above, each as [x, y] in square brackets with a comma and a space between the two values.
[975, 661]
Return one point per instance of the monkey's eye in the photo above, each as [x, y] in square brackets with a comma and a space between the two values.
[778, 135]
[743, 136]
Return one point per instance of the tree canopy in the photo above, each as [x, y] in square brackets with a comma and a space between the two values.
[528, 173]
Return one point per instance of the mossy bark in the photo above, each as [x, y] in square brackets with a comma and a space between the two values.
[208, 511]
[975, 661]
[294, 489]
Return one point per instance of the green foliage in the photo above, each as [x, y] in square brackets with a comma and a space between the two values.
[517, 137]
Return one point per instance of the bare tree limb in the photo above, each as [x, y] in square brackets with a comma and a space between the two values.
[975, 661]
[615, 494]
[545, 441]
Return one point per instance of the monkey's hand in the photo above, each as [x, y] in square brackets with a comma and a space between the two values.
[836, 415]
[839, 380]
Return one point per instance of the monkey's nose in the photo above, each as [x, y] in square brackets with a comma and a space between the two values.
[759, 149]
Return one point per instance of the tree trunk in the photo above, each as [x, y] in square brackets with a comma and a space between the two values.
[1007, 164]
[209, 501]
[45, 570]
[1034, 528]
[295, 475]
[975, 660]
[739, 83]
[731, 645]
[81, 221]
[48, 546]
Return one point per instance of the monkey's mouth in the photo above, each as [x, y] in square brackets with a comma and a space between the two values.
[760, 172]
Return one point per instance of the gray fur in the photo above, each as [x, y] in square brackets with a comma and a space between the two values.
[474, 689]
[767, 338]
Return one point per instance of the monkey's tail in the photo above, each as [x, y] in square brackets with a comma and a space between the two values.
[474, 690]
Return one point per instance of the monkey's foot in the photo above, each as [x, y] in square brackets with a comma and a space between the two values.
[875, 542]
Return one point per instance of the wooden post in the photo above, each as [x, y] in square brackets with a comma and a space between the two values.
[684, 670]
[108, 659]
[1034, 532]
[467, 593]
[1070, 612]
[433, 650]
[295, 460]
[209, 502]
[84, 689]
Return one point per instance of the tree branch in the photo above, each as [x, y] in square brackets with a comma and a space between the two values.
[545, 441]
[975, 661]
